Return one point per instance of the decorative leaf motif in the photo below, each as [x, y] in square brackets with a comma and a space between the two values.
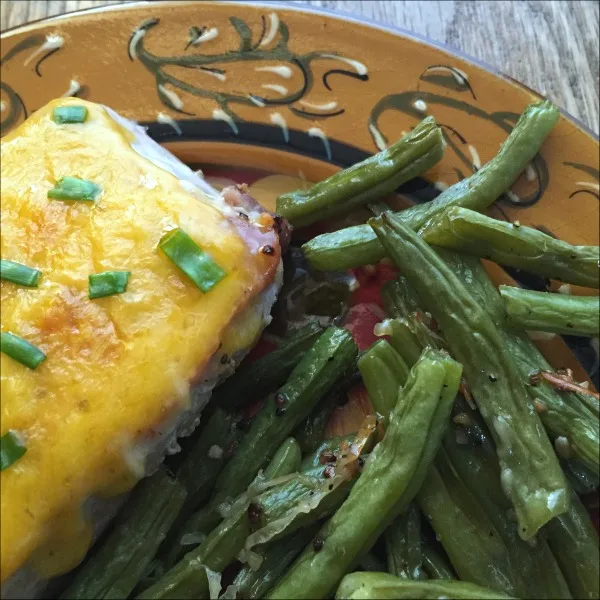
[270, 47]
[244, 32]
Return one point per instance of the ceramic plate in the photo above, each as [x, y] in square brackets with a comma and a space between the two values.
[296, 94]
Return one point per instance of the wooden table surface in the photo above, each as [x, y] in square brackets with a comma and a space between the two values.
[550, 45]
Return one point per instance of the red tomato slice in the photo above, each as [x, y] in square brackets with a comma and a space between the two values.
[370, 279]
[360, 322]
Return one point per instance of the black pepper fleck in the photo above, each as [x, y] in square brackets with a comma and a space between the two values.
[492, 378]
[318, 544]
[254, 512]
[269, 250]
[224, 359]
[243, 424]
[280, 412]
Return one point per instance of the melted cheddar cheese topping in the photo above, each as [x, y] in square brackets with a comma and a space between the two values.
[117, 368]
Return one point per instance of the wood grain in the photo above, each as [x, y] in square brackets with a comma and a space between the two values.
[551, 45]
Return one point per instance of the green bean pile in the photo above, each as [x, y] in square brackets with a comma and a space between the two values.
[463, 483]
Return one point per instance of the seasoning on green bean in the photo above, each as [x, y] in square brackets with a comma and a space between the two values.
[556, 313]
[530, 473]
[564, 414]
[391, 477]
[400, 300]
[267, 373]
[474, 469]
[356, 246]
[287, 506]
[513, 245]
[377, 176]
[320, 367]
[383, 586]
[471, 454]
[189, 577]
[327, 447]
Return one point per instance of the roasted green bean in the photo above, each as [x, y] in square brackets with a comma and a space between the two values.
[205, 459]
[121, 561]
[286, 460]
[530, 473]
[320, 367]
[276, 558]
[513, 245]
[403, 545]
[391, 477]
[474, 470]
[556, 313]
[376, 176]
[383, 372]
[311, 431]
[574, 542]
[281, 510]
[383, 586]
[473, 544]
[564, 413]
[356, 246]
[472, 456]
[267, 373]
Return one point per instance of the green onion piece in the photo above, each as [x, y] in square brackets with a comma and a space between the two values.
[73, 188]
[69, 114]
[21, 350]
[18, 273]
[191, 259]
[11, 449]
[108, 283]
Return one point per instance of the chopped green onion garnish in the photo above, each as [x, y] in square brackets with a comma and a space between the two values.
[18, 273]
[108, 283]
[73, 188]
[191, 259]
[69, 114]
[11, 449]
[21, 350]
